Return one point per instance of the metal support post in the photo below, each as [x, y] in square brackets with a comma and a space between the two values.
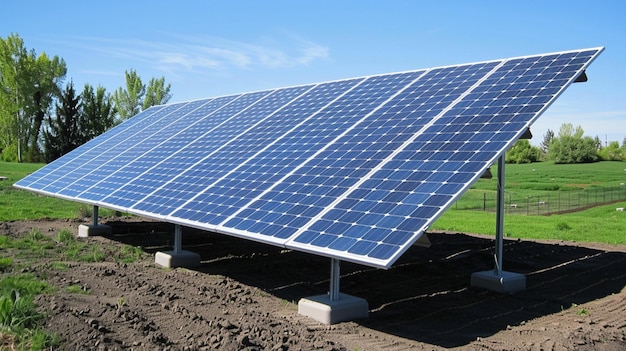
[333, 307]
[498, 279]
[499, 218]
[178, 239]
[335, 275]
[95, 215]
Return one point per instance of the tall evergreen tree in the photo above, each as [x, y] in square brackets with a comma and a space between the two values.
[547, 140]
[97, 113]
[62, 134]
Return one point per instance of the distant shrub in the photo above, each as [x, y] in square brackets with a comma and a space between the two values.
[563, 226]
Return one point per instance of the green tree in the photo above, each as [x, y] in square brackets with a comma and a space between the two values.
[547, 140]
[128, 102]
[62, 134]
[136, 96]
[30, 84]
[97, 112]
[522, 152]
[612, 152]
[571, 146]
[598, 143]
[157, 93]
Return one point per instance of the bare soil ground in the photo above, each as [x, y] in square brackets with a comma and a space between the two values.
[244, 296]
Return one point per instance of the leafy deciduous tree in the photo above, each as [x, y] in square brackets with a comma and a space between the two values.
[30, 83]
[157, 93]
[522, 152]
[612, 152]
[571, 146]
[128, 102]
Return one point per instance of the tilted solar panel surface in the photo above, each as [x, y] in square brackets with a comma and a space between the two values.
[355, 169]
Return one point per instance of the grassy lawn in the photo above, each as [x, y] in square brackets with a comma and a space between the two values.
[16, 204]
[598, 224]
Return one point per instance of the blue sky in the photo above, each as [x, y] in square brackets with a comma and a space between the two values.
[214, 48]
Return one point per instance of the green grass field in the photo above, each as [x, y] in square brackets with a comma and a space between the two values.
[16, 204]
[598, 224]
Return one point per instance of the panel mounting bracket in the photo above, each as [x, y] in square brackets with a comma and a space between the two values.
[581, 78]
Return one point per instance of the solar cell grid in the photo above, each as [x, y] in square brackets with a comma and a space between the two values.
[255, 169]
[165, 161]
[494, 133]
[191, 178]
[68, 175]
[133, 156]
[326, 125]
[44, 176]
[354, 169]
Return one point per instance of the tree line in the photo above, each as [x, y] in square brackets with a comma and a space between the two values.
[42, 117]
[569, 145]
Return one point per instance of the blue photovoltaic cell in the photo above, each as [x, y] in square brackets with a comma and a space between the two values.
[157, 151]
[255, 161]
[410, 191]
[194, 173]
[367, 142]
[54, 171]
[355, 169]
[131, 156]
[80, 173]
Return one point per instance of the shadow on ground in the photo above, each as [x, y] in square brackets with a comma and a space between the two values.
[426, 295]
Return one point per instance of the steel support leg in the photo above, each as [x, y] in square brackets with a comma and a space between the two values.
[335, 276]
[95, 216]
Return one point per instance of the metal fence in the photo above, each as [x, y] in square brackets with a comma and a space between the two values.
[546, 203]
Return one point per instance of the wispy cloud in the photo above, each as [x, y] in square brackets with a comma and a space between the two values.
[177, 53]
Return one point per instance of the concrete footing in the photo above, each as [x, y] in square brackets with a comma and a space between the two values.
[173, 259]
[87, 230]
[507, 282]
[322, 309]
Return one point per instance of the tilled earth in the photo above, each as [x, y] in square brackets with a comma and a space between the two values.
[244, 296]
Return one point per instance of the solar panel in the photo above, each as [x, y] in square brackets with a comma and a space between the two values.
[355, 169]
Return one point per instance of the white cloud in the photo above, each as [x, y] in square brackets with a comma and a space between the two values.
[177, 54]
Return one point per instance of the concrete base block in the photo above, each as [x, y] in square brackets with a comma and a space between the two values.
[85, 230]
[508, 282]
[172, 259]
[321, 309]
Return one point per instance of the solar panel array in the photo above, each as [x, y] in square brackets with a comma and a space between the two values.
[355, 169]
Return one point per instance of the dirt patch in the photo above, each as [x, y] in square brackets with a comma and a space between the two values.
[244, 296]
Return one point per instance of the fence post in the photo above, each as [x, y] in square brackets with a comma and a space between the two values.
[484, 201]
[569, 200]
